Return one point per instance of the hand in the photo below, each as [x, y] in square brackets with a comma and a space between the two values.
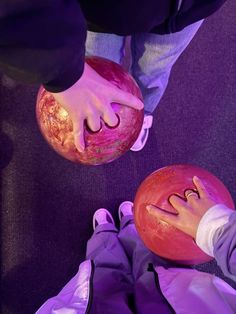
[90, 99]
[190, 211]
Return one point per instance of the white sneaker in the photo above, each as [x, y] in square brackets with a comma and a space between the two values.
[143, 135]
[102, 216]
[125, 208]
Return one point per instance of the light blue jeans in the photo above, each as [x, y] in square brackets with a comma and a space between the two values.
[152, 57]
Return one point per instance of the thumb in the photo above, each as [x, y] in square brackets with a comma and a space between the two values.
[127, 99]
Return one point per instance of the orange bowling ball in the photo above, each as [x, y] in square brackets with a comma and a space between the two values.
[108, 143]
[161, 237]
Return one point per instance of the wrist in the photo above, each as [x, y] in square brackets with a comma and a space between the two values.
[214, 219]
[67, 78]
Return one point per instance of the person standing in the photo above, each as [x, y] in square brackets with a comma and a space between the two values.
[45, 42]
[121, 275]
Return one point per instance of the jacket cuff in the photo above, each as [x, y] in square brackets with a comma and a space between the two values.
[210, 225]
[67, 78]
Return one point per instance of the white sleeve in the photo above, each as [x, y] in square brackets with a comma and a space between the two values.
[210, 224]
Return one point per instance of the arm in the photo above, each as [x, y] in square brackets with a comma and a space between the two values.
[216, 236]
[225, 247]
[212, 225]
[42, 42]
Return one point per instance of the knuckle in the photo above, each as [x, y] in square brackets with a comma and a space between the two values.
[183, 207]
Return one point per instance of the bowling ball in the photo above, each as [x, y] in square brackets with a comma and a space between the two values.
[108, 143]
[160, 237]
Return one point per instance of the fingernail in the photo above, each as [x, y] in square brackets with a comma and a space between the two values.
[195, 178]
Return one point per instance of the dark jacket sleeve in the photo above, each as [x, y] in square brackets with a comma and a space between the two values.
[42, 42]
[225, 248]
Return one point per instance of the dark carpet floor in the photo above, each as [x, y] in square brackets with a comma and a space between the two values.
[48, 202]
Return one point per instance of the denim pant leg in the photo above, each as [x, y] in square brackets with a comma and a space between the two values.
[112, 280]
[104, 45]
[153, 56]
[147, 293]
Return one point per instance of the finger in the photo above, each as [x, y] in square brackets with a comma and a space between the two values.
[94, 122]
[191, 195]
[178, 203]
[109, 116]
[200, 187]
[127, 99]
[78, 131]
[162, 215]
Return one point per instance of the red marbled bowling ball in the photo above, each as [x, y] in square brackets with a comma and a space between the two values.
[161, 237]
[108, 143]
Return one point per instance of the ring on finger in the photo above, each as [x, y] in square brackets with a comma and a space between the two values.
[191, 194]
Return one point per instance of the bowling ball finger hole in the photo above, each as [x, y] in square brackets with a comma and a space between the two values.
[115, 126]
[178, 195]
[91, 131]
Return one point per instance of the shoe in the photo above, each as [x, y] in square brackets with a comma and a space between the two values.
[125, 209]
[143, 135]
[102, 216]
